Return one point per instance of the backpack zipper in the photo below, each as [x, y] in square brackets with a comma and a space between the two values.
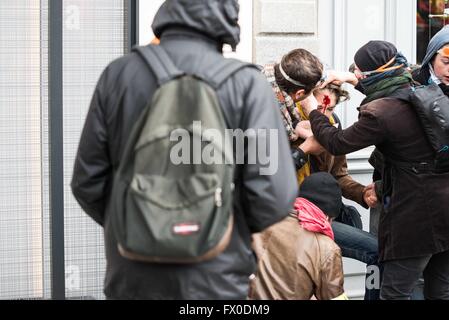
[218, 199]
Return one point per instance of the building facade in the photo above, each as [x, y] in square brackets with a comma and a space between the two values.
[53, 52]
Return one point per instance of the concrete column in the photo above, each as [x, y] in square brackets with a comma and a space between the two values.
[284, 25]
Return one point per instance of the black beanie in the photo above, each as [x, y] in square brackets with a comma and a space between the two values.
[323, 191]
[374, 54]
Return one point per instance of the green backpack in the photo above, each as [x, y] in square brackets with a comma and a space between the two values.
[165, 210]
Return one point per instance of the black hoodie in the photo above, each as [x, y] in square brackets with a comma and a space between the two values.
[217, 19]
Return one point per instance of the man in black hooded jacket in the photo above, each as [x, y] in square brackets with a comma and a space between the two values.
[193, 33]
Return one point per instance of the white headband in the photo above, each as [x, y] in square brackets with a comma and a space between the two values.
[284, 74]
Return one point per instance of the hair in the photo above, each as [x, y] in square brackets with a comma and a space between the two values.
[300, 65]
[341, 94]
[352, 68]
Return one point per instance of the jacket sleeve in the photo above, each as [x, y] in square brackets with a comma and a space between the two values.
[331, 277]
[299, 158]
[350, 188]
[268, 191]
[367, 131]
[92, 171]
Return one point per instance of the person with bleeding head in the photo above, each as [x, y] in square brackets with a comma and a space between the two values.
[329, 97]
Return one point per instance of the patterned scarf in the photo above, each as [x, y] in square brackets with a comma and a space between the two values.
[383, 84]
[289, 113]
[385, 87]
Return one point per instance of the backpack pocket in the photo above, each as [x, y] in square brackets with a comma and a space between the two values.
[172, 220]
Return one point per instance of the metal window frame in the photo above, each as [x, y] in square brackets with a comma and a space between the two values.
[56, 151]
[132, 24]
[56, 133]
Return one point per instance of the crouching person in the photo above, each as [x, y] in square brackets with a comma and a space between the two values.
[298, 258]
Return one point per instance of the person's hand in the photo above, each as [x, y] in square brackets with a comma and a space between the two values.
[339, 77]
[309, 104]
[304, 130]
[369, 196]
[312, 146]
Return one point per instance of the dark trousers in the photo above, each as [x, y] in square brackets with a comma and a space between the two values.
[359, 245]
[401, 276]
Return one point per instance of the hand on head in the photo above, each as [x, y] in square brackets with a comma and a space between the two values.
[338, 78]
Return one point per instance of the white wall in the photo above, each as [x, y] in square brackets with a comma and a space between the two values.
[281, 26]
[148, 9]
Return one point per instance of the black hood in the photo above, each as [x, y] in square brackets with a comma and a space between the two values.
[218, 19]
[323, 191]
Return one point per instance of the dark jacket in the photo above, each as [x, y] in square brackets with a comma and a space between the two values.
[338, 167]
[124, 89]
[415, 219]
[422, 76]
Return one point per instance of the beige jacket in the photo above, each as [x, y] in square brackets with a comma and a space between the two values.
[295, 264]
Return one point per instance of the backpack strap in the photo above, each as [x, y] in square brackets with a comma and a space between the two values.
[403, 94]
[220, 72]
[159, 63]
[165, 70]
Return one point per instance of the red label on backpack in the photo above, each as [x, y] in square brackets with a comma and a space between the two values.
[186, 228]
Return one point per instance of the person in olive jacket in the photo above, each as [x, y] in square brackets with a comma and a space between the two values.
[414, 222]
